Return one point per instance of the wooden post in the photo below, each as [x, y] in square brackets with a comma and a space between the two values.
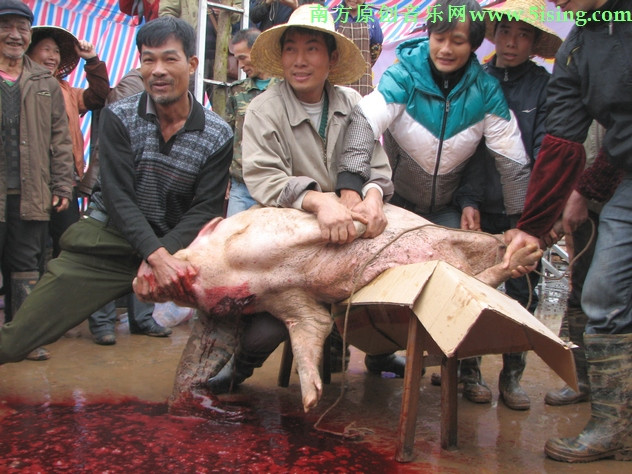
[220, 68]
[404, 449]
[449, 367]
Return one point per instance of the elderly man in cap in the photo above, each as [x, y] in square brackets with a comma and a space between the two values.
[524, 85]
[37, 172]
[292, 138]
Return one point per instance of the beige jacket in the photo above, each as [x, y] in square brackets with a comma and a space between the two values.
[283, 154]
[185, 9]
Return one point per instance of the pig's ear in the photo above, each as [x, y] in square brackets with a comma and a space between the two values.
[210, 227]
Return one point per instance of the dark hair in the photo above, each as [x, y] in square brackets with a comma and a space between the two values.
[157, 32]
[329, 39]
[249, 35]
[441, 20]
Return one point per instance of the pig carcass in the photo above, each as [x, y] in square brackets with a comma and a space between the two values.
[274, 260]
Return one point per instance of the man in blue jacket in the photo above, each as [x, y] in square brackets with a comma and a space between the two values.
[434, 106]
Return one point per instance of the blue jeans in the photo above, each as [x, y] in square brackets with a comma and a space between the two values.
[607, 295]
[239, 198]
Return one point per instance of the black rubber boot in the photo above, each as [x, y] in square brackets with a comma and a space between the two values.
[22, 283]
[609, 430]
[509, 387]
[474, 387]
[576, 321]
[376, 364]
[261, 335]
[239, 368]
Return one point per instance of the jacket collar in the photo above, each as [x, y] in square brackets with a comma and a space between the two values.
[414, 55]
[195, 120]
[31, 69]
[250, 83]
[508, 74]
[296, 112]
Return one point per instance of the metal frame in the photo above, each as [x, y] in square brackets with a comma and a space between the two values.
[546, 260]
[203, 7]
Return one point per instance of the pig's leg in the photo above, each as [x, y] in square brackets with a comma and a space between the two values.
[210, 346]
[309, 323]
[495, 275]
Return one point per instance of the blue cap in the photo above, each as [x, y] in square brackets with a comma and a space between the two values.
[15, 7]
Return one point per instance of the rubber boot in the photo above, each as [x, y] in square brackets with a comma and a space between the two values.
[566, 395]
[376, 364]
[240, 366]
[22, 283]
[609, 430]
[509, 387]
[261, 335]
[474, 387]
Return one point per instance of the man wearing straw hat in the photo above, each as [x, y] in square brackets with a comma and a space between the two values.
[524, 85]
[293, 135]
[592, 79]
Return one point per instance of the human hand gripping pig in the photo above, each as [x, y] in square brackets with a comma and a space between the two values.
[163, 277]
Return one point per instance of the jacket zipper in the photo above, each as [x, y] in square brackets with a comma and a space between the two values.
[446, 109]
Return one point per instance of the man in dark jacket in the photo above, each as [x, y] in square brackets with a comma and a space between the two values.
[36, 175]
[163, 174]
[524, 85]
[592, 79]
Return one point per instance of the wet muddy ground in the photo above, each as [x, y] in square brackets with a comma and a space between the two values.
[94, 408]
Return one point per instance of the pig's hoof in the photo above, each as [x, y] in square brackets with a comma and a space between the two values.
[526, 256]
[311, 394]
[200, 405]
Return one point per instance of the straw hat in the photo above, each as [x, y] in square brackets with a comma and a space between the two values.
[266, 52]
[66, 42]
[548, 42]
